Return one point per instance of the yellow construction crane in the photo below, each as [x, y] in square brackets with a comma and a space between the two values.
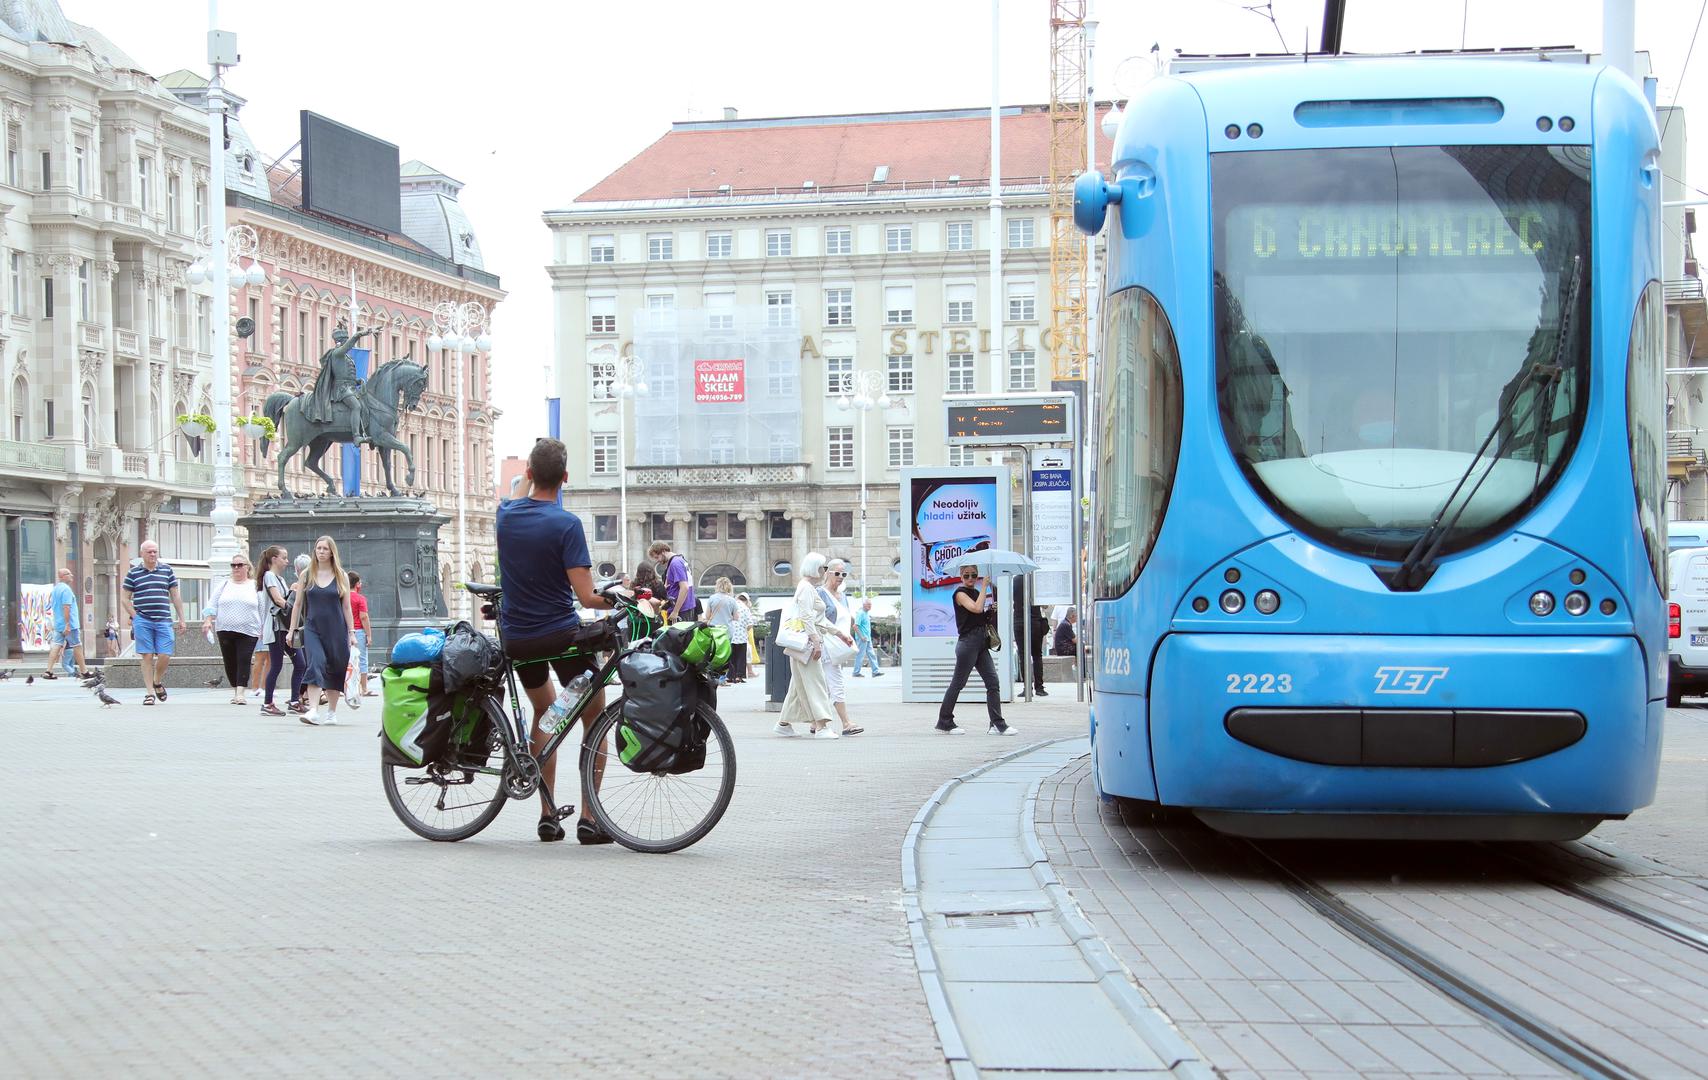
[1069, 113]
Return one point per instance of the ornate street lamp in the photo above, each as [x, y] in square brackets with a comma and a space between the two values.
[628, 379]
[460, 329]
[862, 391]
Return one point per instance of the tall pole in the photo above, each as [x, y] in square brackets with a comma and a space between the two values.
[1619, 36]
[996, 238]
[1093, 343]
[225, 512]
[467, 602]
[864, 450]
[623, 480]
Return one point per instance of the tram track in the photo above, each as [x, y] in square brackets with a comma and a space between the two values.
[1642, 914]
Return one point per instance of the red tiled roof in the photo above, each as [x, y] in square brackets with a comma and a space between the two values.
[833, 152]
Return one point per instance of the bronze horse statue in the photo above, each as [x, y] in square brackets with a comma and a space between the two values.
[379, 400]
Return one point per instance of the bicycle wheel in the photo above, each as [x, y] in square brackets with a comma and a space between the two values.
[448, 801]
[657, 812]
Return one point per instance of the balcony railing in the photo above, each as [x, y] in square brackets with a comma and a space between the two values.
[1681, 449]
[157, 348]
[128, 343]
[192, 474]
[715, 475]
[32, 456]
[1682, 290]
[92, 335]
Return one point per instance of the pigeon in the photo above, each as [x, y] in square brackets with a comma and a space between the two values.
[29, 680]
[7, 674]
[93, 678]
[213, 683]
[105, 698]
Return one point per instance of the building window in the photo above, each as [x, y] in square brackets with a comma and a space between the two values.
[900, 373]
[604, 378]
[145, 184]
[254, 343]
[602, 249]
[720, 311]
[898, 305]
[782, 448]
[839, 307]
[706, 526]
[80, 164]
[47, 171]
[961, 455]
[779, 242]
[963, 373]
[778, 526]
[720, 245]
[839, 447]
[605, 528]
[85, 291]
[14, 151]
[658, 528]
[960, 236]
[604, 455]
[1022, 369]
[1022, 301]
[1021, 233]
[660, 247]
[204, 324]
[737, 528]
[960, 303]
[20, 302]
[20, 410]
[836, 371]
[174, 203]
[841, 524]
[602, 315]
[780, 377]
[47, 296]
[201, 207]
[901, 447]
[839, 241]
[49, 404]
[779, 308]
[661, 310]
[302, 337]
[721, 449]
[898, 238]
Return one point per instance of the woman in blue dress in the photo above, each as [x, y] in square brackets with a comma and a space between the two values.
[329, 630]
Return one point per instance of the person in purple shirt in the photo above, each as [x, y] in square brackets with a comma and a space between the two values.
[679, 598]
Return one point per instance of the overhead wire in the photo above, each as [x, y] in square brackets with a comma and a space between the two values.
[1685, 70]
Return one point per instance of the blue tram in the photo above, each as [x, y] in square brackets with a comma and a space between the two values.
[1378, 544]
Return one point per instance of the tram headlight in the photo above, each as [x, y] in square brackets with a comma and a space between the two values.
[1541, 604]
[1233, 601]
[1267, 601]
[1576, 603]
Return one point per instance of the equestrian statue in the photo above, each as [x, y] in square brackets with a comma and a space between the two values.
[344, 409]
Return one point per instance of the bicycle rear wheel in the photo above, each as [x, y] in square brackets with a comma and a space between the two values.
[452, 801]
[657, 813]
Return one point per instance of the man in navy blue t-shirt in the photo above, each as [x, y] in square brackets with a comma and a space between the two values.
[544, 568]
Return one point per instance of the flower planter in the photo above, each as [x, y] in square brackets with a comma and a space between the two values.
[254, 431]
[192, 430]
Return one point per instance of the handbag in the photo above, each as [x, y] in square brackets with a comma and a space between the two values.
[792, 634]
[992, 639]
[836, 652]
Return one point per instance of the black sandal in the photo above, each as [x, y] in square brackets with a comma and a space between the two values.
[587, 832]
[148, 699]
[550, 830]
[160, 691]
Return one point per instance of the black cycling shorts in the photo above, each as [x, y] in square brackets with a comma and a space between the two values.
[589, 638]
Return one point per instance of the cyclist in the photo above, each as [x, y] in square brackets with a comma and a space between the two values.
[542, 551]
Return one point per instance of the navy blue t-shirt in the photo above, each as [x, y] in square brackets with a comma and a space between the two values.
[537, 542]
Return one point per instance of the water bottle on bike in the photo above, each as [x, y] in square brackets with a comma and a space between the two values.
[557, 717]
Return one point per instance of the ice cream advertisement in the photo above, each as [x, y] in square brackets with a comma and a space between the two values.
[951, 519]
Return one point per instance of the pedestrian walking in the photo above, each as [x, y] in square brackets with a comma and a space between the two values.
[740, 638]
[1040, 633]
[973, 623]
[679, 600]
[364, 631]
[67, 629]
[837, 651]
[863, 638]
[808, 700]
[280, 596]
[233, 615]
[151, 602]
[328, 627]
[723, 609]
[110, 637]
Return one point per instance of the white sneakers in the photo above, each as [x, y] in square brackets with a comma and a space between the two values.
[311, 717]
[1005, 729]
[827, 732]
[329, 720]
[785, 730]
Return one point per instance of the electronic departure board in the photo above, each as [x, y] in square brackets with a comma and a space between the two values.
[1010, 421]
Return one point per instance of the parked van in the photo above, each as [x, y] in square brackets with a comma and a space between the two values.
[1687, 623]
[1686, 534]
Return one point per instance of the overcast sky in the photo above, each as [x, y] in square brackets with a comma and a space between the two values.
[529, 110]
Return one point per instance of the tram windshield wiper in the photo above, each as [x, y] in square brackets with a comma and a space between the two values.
[1419, 565]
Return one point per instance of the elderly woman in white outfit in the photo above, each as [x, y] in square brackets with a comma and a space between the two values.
[808, 701]
[838, 612]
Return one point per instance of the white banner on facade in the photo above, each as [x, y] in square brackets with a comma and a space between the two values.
[1052, 527]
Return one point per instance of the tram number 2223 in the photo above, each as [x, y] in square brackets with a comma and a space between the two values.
[1264, 683]
[1117, 661]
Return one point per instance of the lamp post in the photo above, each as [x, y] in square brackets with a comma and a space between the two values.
[628, 378]
[862, 390]
[460, 329]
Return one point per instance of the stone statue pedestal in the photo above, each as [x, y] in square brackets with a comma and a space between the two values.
[392, 542]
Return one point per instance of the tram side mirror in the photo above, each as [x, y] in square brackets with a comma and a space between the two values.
[1092, 195]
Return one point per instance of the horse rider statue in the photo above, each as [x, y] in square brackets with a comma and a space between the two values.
[337, 385]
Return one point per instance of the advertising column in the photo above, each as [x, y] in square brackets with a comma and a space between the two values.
[952, 513]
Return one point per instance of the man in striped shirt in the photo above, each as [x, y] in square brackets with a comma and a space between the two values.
[151, 602]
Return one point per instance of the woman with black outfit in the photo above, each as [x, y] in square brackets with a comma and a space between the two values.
[972, 650]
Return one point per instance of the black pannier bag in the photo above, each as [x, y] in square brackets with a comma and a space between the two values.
[660, 730]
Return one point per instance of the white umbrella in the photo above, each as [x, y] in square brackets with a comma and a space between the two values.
[998, 561]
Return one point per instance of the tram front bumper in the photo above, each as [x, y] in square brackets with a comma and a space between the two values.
[1403, 725]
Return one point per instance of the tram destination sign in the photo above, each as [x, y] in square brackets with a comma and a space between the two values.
[1010, 420]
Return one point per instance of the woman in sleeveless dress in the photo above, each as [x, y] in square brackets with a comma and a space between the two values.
[329, 629]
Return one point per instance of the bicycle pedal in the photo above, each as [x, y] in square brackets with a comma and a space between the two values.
[564, 813]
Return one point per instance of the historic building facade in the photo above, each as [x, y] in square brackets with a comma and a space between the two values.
[753, 267]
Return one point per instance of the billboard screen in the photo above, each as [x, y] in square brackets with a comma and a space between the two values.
[350, 175]
[951, 518]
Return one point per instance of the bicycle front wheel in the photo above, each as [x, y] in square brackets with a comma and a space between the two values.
[657, 813]
[451, 800]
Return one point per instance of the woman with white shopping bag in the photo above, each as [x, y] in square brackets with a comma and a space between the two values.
[802, 637]
[836, 654]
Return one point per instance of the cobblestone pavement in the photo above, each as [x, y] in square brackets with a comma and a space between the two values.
[1263, 986]
[192, 889]
[1674, 830]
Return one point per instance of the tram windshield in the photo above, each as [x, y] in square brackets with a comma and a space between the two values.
[1380, 312]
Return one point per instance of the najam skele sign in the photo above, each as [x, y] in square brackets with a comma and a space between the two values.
[720, 380]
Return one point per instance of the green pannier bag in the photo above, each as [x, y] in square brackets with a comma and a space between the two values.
[708, 648]
[403, 709]
[423, 724]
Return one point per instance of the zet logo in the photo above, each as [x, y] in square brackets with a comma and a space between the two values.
[1408, 680]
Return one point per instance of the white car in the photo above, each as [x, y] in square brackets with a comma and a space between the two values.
[1687, 623]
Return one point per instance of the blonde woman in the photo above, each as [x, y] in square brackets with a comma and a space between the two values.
[808, 700]
[329, 629]
[722, 609]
